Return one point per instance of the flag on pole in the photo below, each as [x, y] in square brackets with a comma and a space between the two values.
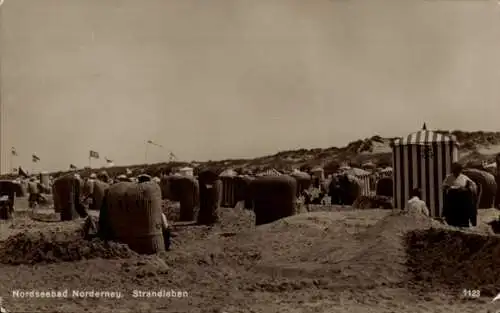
[72, 167]
[172, 157]
[13, 151]
[35, 158]
[109, 163]
[22, 172]
[154, 143]
[94, 154]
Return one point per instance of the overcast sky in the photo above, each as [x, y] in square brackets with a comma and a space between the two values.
[215, 79]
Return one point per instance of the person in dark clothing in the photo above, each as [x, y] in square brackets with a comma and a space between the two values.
[460, 199]
[344, 190]
[316, 183]
[307, 196]
[334, 191]
[104, 230]
[167, 233]
[460, 208]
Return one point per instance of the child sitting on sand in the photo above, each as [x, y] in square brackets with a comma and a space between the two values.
[416, 205]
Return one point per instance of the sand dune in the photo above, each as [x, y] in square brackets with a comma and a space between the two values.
[337, 261]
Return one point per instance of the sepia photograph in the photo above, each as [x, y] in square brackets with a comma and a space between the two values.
[250, 156]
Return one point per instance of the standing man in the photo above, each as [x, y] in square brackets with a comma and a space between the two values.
[88, 189]
[460, 203]
[34, 192]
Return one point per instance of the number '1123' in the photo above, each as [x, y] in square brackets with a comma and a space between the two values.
[471, 293]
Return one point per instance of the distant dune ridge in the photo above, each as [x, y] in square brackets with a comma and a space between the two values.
[475, 148]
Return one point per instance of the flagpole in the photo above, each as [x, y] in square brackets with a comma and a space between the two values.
[1, 98]
[146, 154]
[90, 161]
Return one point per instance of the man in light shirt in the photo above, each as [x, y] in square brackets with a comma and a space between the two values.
[460, 195]
[458, 180]
[416, 205]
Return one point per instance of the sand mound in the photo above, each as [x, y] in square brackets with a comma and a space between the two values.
[332, 250]
[231, 219]
[455, 259]
[349, 250]
[54, 246]
[397, 224]
[43, 216]
[146, 266]
[369, 257]
[380, 256]
[289, 240]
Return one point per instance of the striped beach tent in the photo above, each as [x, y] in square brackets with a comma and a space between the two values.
[422, 160]
[382, 173]
[317, 176]
[318, 172]
[378, 174]
[269, 172]
[228, 188]
[186, 171]
[386, 172]
[363, 176]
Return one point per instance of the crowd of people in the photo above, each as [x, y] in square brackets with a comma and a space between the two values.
[460, 196]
